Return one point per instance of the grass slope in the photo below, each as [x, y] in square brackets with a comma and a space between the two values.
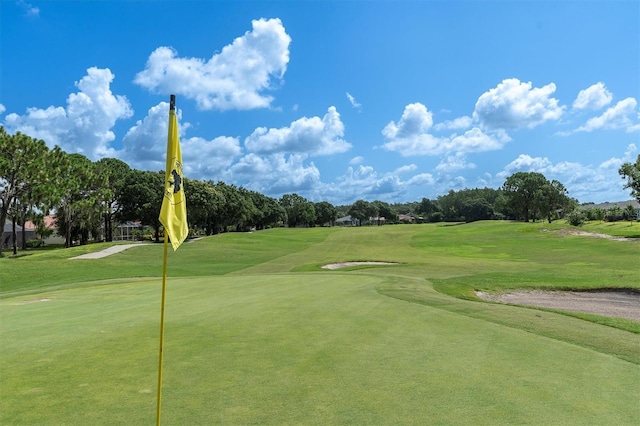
[256, 332]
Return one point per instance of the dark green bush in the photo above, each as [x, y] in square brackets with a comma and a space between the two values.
[576, 218]
[436, 217]
[35, 243]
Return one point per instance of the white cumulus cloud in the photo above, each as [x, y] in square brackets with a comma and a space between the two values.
[411, 136]
[276, 174]
[584, 182]
[314, 136]
[356, 160]
[421, 179]
[475, 140]
[232, 79]
[209, 159]
[145, 144]
[615, 117]
[463, 122]
[593, 97]
[452, 163]
[514, 104]
[614, 163]
[634, 127]
[364, 182]
[85, 124]
[2, 109]
[416, 120]
[420, 144]
[525, 162]
[405, 169]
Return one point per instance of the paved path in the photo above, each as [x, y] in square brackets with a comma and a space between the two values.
[107, 252]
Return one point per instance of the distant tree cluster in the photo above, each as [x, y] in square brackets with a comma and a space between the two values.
[524, 196]
[614, 213]
[89, 198]
[374, 212]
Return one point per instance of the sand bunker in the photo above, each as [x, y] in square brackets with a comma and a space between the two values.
[578, 232]
[347, 264]
[618, 304]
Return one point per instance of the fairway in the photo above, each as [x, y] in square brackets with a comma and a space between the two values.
[258, 333]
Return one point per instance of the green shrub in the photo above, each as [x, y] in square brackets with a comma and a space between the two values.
[35, 243]
[576, 218]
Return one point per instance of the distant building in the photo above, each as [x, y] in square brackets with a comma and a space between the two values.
[378, 220]
[49, 223]
[125, 231]
[346, 221]
[406, 218]
[7, 234]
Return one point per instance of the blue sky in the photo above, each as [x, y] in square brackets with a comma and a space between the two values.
[335, 100]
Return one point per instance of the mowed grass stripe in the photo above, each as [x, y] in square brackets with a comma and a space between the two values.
[292, 349]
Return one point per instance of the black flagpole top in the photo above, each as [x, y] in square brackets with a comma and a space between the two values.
[172, 103]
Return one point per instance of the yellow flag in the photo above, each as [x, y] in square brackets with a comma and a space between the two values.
[173, 214]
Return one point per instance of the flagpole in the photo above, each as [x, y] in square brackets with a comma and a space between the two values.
[161, 352]
[172, 107]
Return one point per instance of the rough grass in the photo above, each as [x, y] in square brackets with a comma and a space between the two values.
[256, 332]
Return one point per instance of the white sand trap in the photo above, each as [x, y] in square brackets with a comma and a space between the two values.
[347, 264]
[619, 304]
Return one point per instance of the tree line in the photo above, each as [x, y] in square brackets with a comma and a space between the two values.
[88, 198]
[527, 196]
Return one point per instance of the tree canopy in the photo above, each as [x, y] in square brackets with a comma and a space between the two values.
[531, 196]
[30, 174]
[631, 172]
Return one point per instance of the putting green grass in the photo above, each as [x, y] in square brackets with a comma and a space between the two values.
[291, 348]
[257, 333]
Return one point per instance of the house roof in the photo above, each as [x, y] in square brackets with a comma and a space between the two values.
[8, 227]
[50, 221]
[344, 219]
[621, 204]
[28, 225]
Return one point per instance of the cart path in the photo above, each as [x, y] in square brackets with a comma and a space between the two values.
[107, 252]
